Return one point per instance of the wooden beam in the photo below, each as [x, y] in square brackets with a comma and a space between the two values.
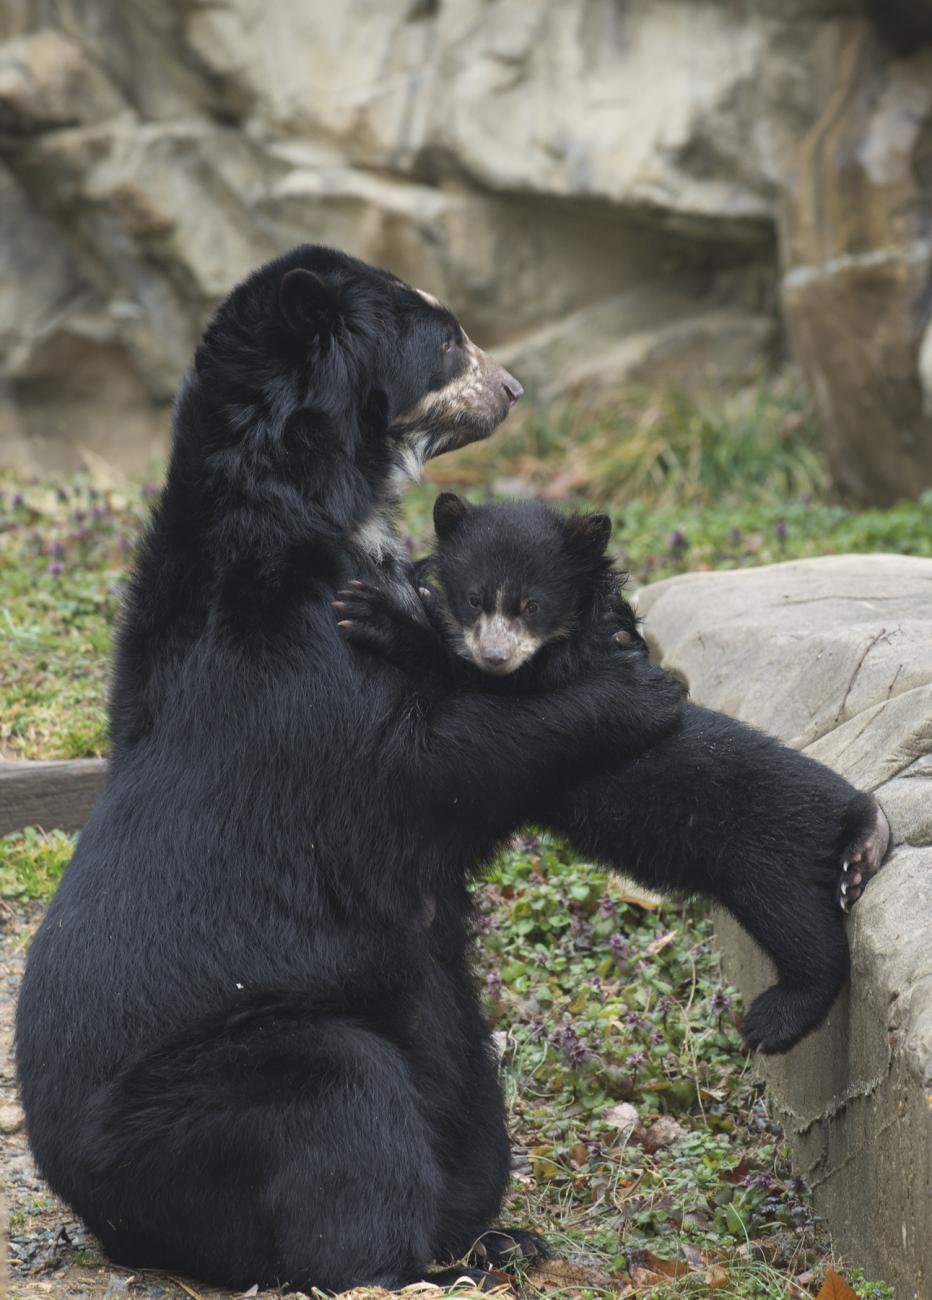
[51, 795]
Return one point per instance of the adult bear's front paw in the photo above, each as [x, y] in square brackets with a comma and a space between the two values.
[507, 1248]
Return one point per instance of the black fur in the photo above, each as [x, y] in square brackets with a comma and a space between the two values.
[713, 808]
[249, 1045]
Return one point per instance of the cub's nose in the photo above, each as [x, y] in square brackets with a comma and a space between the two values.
[512, 388]
[495, 655]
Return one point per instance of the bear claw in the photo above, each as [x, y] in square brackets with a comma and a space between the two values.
[863, 859]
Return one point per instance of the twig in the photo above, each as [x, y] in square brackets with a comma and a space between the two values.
[857, 668]
[195, 1295]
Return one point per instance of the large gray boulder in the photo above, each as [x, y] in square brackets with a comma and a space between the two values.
[834, 656]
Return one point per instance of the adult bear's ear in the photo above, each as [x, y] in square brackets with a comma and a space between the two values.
[449, 510]
[308, 304]
[587, 536]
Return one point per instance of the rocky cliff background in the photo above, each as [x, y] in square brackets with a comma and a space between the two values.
[607, 191]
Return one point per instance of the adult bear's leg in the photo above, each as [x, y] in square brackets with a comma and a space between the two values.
[475, 1161]
[272, 1149]
[720, 810]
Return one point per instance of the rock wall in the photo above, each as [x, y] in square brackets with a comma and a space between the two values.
[602, 189]
[834, 656]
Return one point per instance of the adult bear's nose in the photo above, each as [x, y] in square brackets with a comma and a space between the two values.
[512, 388]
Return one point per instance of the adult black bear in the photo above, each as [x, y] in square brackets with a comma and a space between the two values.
[248, 1041]
[713, 808]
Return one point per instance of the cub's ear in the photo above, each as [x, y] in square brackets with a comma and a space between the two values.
[587, 536]
[308, 304]
[449, 510]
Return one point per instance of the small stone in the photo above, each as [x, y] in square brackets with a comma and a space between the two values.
[11, 1118]
[624, 1117]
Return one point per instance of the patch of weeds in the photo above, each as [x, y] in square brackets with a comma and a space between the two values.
[658, 446]
[84, 1258]
[32, 862]
[645, 1150]
[658, 543]
[866, 1289]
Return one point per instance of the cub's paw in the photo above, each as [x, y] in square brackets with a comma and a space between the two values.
[506, 1248]
[864, 852]
[780, 1016]
[366, 617]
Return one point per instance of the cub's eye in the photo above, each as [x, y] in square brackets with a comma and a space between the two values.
[531, 607]
[474, 599]
[447, 345]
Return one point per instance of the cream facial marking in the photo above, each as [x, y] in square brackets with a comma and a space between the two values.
[468, 407]
[498, 643]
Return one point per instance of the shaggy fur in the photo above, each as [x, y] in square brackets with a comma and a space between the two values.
[249, 1046]
[712, 808]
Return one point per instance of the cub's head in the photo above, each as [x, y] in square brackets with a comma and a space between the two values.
[515, 577]
[320, 355]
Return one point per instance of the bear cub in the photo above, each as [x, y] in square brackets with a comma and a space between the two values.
[509, 589]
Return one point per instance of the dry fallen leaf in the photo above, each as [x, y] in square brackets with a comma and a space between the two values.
[625, 1189]
[662, 1133]
[738, 1173]
[667, 1267]
[645, 1279]
[624, 890]
[695, 1258]
[564, 1276]
[663, 941]
[836, 1288]
[716, 1277]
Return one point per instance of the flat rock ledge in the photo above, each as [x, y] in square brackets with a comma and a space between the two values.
[834, 656]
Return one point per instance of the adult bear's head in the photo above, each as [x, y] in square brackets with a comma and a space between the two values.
[318, 358]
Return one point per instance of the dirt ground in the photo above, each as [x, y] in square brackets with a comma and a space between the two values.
[51, 1255]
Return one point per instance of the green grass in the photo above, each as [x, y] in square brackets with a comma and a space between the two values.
[64, 551]
[31, 864]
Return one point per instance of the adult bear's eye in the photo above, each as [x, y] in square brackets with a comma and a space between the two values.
[474, 600]
[447, 345]
[531, 607]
